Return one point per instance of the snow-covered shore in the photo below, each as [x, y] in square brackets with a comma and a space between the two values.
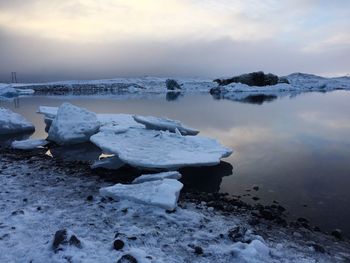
[40, 196]
[299, 82]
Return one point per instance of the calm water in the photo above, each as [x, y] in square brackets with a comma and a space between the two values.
[297, 150]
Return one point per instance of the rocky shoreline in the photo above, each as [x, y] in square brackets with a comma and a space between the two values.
[268, 222]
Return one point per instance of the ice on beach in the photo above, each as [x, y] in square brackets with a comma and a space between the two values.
[310, 82]
[29, 144]
[73, 125]
[151, 149]
[158, 176]
[11, 122]
[161, 193]
[164, 124]
[112, 163]
[7, 91]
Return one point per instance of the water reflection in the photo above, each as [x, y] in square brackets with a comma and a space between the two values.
[205, 179]
[171, 96]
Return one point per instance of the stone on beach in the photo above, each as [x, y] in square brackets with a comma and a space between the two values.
[161, 193]
[158, 176]
[11, 122]
[73, 125]
[151, 149]
[29, 144]
[164, 124]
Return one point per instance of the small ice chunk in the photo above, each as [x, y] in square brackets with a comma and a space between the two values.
[11, 122]
[111, 163]
[29, 144]
[161, 193]
[8, 92]
[157, 176]
[164, 124]
[73, 125]
[49, 112]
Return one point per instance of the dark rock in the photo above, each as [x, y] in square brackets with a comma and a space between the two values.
[253, 221]
[259, 79]
[267, 214]
[17, 212]
[256, 188]
[302, 220]
[255, 198]
[318, 248]
[60, 239]
[172, 84]
[74, 241]
[237, 234]
[38, 208]
[127, 258]
[132, 238]
[90, 198]
[198, 250]
[118, 244]
[337, 233]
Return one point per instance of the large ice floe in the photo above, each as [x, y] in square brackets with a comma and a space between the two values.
[164, 124]
[162, 193]
[151, 149]
[73, 125]
[11, 122]
[131, 142]
[158, 176]
[29, 144]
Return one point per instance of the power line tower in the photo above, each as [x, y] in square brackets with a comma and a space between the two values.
[14, 77]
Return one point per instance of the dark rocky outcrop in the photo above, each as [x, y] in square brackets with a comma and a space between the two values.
[253, 79]
[172, 84]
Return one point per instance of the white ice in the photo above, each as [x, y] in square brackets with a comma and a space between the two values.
[11, 122]
[158, 176]
[164, 124]
[161, 193]
[29, 144]
[151, 149]
[108, 122]
[73, 125]
[7, 91]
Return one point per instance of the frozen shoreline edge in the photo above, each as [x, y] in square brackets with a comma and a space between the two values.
[214, 204]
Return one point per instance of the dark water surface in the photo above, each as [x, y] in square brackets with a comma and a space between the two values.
[297, 150]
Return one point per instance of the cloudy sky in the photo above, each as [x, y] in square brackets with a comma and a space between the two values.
[89, 39]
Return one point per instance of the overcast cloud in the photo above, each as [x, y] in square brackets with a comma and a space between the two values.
[56, 40]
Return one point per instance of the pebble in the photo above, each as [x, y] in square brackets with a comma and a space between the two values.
[118, 244]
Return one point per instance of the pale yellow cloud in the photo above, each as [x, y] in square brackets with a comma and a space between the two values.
[111, 20]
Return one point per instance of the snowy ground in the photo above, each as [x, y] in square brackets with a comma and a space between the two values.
[40, 195]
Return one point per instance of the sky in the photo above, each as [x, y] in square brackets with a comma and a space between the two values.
[92, 39]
